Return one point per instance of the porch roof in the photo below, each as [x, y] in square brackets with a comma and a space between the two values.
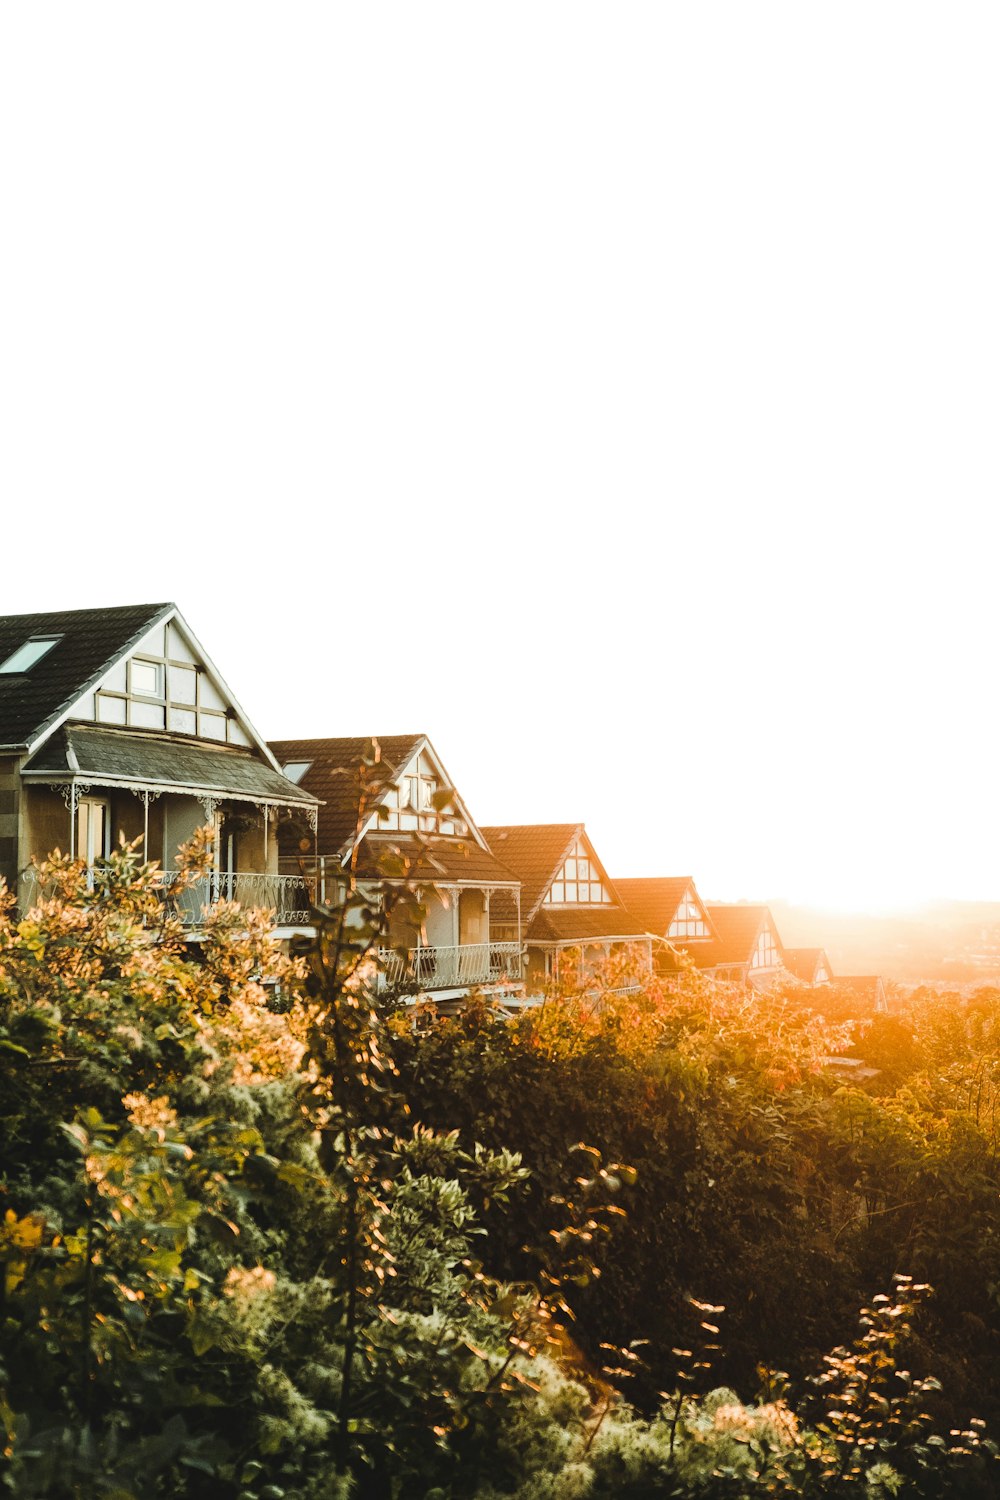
[434, 859]
[113, 757]
[584, 924]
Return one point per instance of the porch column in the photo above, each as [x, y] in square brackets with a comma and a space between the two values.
[71, 796]
[147, 795]
[520, 947]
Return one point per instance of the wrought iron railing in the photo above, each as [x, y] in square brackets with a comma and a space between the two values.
[286, 897]
[444, 968]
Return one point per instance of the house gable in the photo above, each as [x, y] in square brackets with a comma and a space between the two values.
[410, 803]
[167, 682]
[83, 645]
[383, 785]
[767, 949]
[580, 879]
[690, 920]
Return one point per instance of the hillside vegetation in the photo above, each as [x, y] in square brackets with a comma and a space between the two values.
[263, 1237]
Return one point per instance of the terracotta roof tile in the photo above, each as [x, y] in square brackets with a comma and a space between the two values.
[535, 852]
[437, 858]
[654, 900]
[580, 924]
[803, 963]
[737, 929]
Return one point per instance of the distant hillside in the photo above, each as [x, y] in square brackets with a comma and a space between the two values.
[952, 941]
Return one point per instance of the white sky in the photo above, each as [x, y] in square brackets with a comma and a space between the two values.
[610, 392]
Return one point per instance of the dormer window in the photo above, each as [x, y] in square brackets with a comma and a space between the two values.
[25, 657]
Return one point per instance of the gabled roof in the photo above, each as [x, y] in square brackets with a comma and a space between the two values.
[332, 776]
[737, 929]
[803, 963]
[583, 924]
[654, 900]
[92, 640]
[434, 858]
[536, 852]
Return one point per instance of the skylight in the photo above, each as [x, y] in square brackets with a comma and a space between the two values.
[25, 657]
[296, 769]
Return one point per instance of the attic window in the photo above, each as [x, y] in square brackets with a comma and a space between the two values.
[688, 920]
[25, 657]
[296, 769]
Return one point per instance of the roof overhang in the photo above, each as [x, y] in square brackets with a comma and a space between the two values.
[87, 756]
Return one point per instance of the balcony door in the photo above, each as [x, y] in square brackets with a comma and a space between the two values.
[226, 857]
[93, 825]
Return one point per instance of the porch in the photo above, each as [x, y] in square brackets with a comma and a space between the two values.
[453, 949]
[92, 787]
[460, 966]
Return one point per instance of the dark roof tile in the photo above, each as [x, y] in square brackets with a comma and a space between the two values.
[333, 777]
[121, 755]
[92, 641]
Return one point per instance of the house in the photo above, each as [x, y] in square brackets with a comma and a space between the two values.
[671, 909]
[391, 817]
[809, 965]
[114, 722]
[746, 950]
[861, 994]
[573, 914]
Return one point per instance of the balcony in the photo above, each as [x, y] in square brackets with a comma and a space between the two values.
[286, 897]
[450, 968]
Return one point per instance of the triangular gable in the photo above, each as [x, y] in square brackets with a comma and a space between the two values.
[166, 681]
[580, 879]
[823, 972]
[84, 643]
[406, 803]
[766, 953]
[690, 920]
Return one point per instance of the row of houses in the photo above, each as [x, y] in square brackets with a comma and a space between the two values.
[116, 722]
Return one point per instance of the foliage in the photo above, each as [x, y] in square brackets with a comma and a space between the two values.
[253, 1250]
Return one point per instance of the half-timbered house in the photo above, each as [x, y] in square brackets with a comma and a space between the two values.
[574, 918]
[115, 723]
[391, 817]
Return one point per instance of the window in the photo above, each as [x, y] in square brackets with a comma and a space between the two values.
[766, 955]
[578, 882]
[296, 769]
[25, 657]
[409, 806]
[158, 692]
[92, 820]
[689, 921]
[146, 678]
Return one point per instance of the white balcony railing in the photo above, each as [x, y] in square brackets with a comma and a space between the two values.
[286, 897]
[444, 968]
